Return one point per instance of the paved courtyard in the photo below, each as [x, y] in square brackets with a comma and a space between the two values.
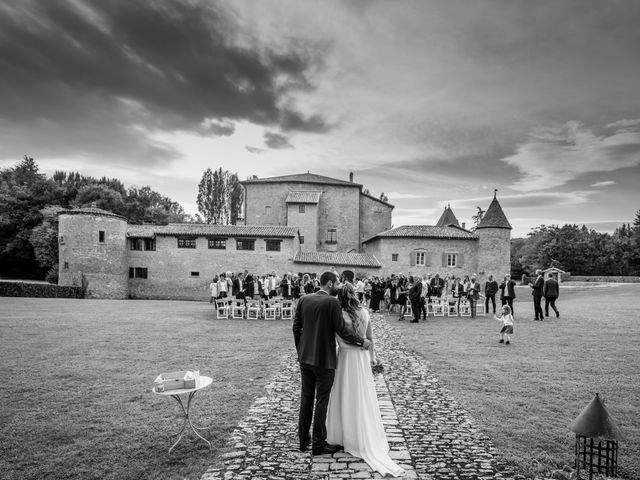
[430, 435]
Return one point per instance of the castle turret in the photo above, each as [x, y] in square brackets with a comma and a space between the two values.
[447, 218]
[494, 248]
[92, 249]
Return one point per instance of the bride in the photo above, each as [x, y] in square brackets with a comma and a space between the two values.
[353, 415]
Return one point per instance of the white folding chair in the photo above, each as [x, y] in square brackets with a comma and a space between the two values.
[465, 308]
[480, 306]
[409, 309]
[238, 308]
[253, 309]
[222, 308]
[451, 307]
[286, 309]
[269, 310]
[438, 307]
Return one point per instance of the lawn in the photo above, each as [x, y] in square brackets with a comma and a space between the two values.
[525, 395]
[77, 401]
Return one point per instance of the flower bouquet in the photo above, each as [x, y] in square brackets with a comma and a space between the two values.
[377, 368]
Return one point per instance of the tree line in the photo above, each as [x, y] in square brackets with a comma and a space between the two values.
[30, 202]
[579, 250]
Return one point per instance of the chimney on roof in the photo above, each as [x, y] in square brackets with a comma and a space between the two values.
[351, 177]
[463, 224]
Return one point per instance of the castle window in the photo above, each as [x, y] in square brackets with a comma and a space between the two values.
[301, 238]
[421, 258]
[452, 259]
[245, 244]
[218, 243]
[332, 235]
[195, 274]
[273, 245]
[302, 208]
[150, 244]
[137, 272]
[136, 243]
[186, 242]
[66, 265]
[61, 240]
[394, 257]
[267, 210]
[101, 236]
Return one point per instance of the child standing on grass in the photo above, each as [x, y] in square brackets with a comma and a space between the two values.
[507, 324]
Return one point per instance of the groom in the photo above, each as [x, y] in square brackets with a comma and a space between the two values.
[318, 320]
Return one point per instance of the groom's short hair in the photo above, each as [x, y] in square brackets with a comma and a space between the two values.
[327, 277]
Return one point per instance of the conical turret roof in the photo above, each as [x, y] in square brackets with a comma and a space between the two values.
[594, 422]
[447, 218]
[494, 217]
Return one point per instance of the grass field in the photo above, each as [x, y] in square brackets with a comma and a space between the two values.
[76, 399]
[526, 394]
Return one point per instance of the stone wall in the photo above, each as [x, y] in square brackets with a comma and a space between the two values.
[494, 252]
[592, 278]
[375, 217]
[384, 248]
[169, 268]
[338, 208]
[103, 264]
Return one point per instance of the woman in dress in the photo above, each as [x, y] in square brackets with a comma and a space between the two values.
[353, 415]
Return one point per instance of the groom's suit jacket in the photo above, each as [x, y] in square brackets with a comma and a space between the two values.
[318, 319]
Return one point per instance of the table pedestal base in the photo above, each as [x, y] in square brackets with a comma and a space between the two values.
[187, 421]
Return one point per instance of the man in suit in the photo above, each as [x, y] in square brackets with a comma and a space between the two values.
[318, 319]
[473, 294]
[237, 288]
[537, 288]
[551, 292]
[436, 284]
[415, 297]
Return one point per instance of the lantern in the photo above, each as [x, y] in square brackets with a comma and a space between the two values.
[597, 438]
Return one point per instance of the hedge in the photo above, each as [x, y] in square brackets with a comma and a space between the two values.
[26, 289]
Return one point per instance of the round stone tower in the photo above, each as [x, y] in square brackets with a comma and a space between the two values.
[494, 245]
[92, 251]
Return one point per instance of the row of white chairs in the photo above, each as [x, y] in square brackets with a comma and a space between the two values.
[240, 308]
[440, 307]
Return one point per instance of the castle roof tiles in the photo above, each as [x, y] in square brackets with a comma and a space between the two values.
[334, 258]
[90, 211]
[199, 229]
[494, 217]
[450, 232]
[303, 178]
[447, 218]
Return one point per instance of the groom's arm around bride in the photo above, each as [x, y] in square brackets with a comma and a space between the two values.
[317, 321]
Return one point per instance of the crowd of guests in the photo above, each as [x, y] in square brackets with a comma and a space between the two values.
[265, 286]
[392, 293]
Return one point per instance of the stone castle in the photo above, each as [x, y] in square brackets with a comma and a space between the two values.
[293, 223]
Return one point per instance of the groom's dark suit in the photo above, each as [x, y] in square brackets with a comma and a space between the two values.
[318, 319]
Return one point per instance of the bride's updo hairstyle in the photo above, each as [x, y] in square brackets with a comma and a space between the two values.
[349, 302]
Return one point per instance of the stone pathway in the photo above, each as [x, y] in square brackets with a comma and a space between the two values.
[430, 435]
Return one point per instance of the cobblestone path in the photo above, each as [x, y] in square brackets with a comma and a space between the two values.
[430, 435]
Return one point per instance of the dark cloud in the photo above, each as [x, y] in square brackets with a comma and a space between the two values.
[172, 63]
[276, 141]
[256, 150]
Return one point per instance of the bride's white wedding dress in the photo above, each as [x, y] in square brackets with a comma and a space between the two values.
[353, 415]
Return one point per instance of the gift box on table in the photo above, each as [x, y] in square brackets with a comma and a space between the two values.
[177, 380]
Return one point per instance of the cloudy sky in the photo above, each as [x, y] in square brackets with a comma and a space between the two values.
[429, 101]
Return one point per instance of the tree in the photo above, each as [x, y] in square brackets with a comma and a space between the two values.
[44, 239]
[24, 192]
[220, 197]
[102, 196]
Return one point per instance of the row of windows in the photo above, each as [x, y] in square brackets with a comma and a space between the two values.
[143, 272]
[221, 244]
[302, 208]
[419, 259]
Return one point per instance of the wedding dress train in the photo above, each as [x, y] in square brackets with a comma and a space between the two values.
[353, 415]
